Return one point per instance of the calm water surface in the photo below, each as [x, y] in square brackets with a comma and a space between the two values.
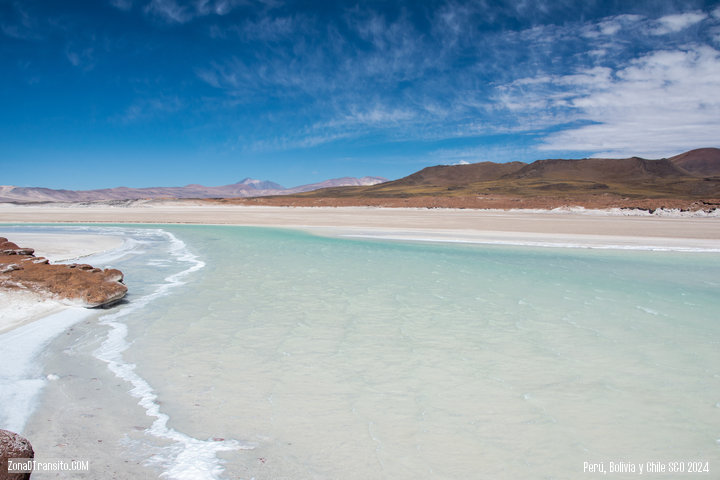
[341, 358]
[334, 358]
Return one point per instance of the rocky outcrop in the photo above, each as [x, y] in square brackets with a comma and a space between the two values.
[81, 284]
[9, 248]
[12, 446]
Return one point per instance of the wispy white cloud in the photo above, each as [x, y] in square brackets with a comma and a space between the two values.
[179, 11]
[170, 11]
[609, 26]
[308, 137]
[353, 87]
[661, 103]
[218, 7]
[314, 58]
[677, 22]
[80, 57]
[379, 115]
[451, 21]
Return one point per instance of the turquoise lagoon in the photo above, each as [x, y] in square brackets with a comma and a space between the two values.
[271, 353]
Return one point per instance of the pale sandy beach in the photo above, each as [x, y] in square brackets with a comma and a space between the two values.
[481, 226]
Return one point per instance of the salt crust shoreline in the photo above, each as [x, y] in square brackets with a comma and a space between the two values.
[63, 247]
[18, 307]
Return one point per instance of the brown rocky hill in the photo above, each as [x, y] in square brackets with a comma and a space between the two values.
[689, 180]
[450, 175]
[599, 170]
[700, 162]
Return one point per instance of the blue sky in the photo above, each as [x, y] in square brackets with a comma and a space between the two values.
[103, 93]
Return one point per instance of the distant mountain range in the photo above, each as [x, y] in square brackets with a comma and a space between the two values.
[688, 180]
[248, 187]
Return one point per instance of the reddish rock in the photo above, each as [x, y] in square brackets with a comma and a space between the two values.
[113, 274]
[7, 268]
[83, 284]
[13, 445]
[10, 248]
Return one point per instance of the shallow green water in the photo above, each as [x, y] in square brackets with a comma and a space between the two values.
[340, 358]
